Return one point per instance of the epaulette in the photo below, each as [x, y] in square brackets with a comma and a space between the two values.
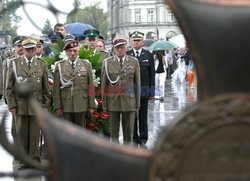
[84, 60]
[132, 57]
[59, 61]
[109, 58]
[12, 59]
[146, 50]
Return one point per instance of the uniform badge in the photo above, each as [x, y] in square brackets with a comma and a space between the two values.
[130, 67]
[38, 80]
[83, 69]
[144, 61]
[21, 63]
[38, 70]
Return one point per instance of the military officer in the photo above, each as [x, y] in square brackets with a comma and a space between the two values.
[92, 36]
[53, 41]
[27, 71]
[17, 42]
[146, 62]
[39, 49]
[72, 80]
[121, 83]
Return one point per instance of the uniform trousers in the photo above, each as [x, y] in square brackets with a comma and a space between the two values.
[160, 79]
[141, 122]
[127, 119]
[76, 118]
[28, 135]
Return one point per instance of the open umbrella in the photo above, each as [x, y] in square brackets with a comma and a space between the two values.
[162, 45]
[77, 29]
[179, 40]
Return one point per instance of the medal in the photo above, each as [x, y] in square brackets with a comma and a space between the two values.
[20, 78]
[38, 80]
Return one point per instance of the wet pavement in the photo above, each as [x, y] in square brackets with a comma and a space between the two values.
[177, 97]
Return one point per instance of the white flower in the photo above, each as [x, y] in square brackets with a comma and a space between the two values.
[96, 103]
[63, 55]
[53, 67]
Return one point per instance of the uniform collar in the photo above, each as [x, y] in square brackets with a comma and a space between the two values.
[74, 62]
[27, 61]
[40, 56]
[123, 59]
[137, 51]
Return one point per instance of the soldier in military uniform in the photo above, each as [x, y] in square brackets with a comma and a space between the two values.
[72, 79]
[39, 49]
[91, 39]
[146, 61]
[17, 42]
[27, 71]
[121, 84]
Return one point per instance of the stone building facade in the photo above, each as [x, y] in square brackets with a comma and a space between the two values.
[152, 17]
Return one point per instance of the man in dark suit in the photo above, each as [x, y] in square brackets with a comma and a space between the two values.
[147, 69]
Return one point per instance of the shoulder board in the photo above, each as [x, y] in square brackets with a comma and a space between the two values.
[145, 50]
[60, 61]
[13, 58]
[40, 59]
[85, 60]
[131, 57]
[109, 58]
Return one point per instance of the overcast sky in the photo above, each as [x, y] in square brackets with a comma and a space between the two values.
[38, 13]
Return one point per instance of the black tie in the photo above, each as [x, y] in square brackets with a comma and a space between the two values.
[121, 62]
[137, 54]
[29, 64]
[73, 66]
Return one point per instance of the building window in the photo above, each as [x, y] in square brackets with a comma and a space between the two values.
[137, 15]
[171, 17]
[151, 15]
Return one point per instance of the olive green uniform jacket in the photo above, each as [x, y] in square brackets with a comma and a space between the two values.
[125, 96]
[37, 80]
[74, 98]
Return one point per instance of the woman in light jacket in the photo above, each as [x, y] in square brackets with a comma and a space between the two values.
[160, 74]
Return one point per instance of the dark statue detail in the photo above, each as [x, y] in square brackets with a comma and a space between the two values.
[209, 141]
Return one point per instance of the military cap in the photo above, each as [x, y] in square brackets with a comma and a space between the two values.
[18, 40]
[119, 41]
[69, 37]
[101, 37]
[39, 42]
[137, 35]
[71, 44]
[91, 33]
[54, 35]
[29, 43]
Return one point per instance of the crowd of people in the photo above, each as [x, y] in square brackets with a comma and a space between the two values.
[129, 79]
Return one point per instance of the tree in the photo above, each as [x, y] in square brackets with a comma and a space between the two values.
[92, 15]
[9, 17]
[47, 28]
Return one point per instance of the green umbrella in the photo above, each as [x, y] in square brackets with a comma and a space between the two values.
[162, 45]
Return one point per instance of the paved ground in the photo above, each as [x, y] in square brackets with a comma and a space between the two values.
[177, 97]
